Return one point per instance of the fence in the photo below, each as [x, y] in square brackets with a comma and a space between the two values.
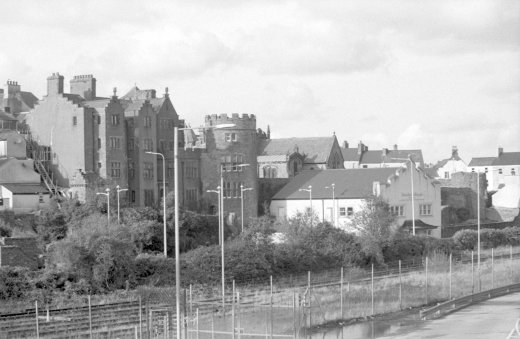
[288, 307]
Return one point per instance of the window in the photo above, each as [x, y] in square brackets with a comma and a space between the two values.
[236, 190]
[191, 169]
[98, 143]
[270, 172]
[486, 170]
[163, 145]
[40, 199]
[147, 121]
[115, 142]
[350, 211]
[342, 212]
[365, 166]
[99, 165]
[191, 195]
[425, 209]
[115, 119]
[513, 171]
[148, 144]
[166, 123]
[1, 201]
[148, 170]
[230, 163]
[133, 196]
[74, 121]
[148, 197]
[171, 145]
[446, 175]
[131, 144]
[397, 210]
[115, 169]
[170, 169]
[499, 171]
[131, 169]
[230, 137]
[473, 169]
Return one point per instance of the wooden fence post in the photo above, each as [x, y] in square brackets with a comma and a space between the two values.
[341, 294]
[37, 320]
[372, 289]
[426, 280]
[400, 288]
[450, 278]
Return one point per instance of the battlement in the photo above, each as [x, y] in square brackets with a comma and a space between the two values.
[55, 76]
[83, 77]
[12, 83]
[244, 121]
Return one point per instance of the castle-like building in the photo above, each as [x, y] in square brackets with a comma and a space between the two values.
[86, 143]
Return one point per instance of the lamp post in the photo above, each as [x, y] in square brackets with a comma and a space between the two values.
[310, 198]
[332, 186]
[107, 190]
[478, 228]
[119, 190]
[176, 203]
[242, 190]
[164, 198]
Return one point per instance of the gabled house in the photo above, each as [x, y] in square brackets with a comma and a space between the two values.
[285, 158]
[362, 157]
[445, 168]
[351, 189]
[497, 168]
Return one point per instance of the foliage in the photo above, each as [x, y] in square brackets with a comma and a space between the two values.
[14, 282]
[489, 238]
[513, 235]
[466, 239]
[374, 224]
[5, 229]
[154, 270]
[202, 265]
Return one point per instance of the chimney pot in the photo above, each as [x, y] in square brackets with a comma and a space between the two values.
[345, 144]
[500, 151]
[395, 147]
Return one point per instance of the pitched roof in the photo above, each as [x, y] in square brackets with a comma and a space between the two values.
[350, 154]
[98, 103]
[507, 158]
[26, 188]
[29, 99]
[419, 224]
[349, 183]
[157, 103]
[134, 105]
[487, 161]
[7, 117]
[76, 99]
[316, 150]
[392, 157]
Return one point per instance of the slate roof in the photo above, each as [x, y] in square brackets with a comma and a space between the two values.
[76, 99]
[26, 188]
[419, 224]
[29, 99]
[507, 159]
[349, 183]
[350, 154]
[157, 103]
[7, 117]
[487, 161]
[98, 103]
[134, 105]
[393, 156]
[316, 150]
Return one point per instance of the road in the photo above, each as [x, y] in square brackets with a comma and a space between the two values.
[494, 318]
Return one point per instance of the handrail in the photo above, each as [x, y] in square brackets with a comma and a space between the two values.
[451, 305]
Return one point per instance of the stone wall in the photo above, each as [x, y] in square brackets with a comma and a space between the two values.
[460, 192]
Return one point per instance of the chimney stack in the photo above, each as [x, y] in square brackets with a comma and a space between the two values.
[84, 86]
[395, 147]
[500, 151]
[345, 144]
[55, 84]
[1, 99]
[12, 88]
[360, 148]
[385, 151]
[454, 151]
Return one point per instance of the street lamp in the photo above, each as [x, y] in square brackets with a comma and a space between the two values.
[411, 180]
[176, 211]
[478, 228]
[107, 190]
[310, 197]
[242, 190]
[119, 190]
[164, 198]
[218, 213]
[333, 204]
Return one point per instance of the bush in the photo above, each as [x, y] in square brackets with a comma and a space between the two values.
[466, 239]
[492, 238]
[403, 247]
[513, 235]
[14, 282]
[154, 270]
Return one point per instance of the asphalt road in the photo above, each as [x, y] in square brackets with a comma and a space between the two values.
[492, 319]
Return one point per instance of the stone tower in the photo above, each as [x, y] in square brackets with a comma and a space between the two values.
[230, 153]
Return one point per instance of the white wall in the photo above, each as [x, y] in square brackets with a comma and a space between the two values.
[452, 166]
[493, 176]
[509, 195]
[8, 198]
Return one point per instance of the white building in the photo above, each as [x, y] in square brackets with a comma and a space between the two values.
[497, 168]
[362, 157]
[351, 189]
[445, 168]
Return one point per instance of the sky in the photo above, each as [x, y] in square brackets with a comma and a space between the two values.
[427, 75]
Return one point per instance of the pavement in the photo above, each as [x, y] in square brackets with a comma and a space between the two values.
[491, 319]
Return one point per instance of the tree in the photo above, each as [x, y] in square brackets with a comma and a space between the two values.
[374, 224]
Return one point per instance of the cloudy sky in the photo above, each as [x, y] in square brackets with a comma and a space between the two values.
[421, 74]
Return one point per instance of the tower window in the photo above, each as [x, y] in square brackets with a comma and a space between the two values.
[231, 137]
[115, 119]
[74, 121]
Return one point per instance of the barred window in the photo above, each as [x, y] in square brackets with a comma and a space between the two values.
[397, 210]
[230, 163]
[191, 195]
[170, 169]
[115, 142]
[131, 144]
[131, 169]
[148, 197]
[191, 169]
[115, 169]
[148, 170]
[115, 119]
[74, 121]
[230, 137]
[147, 121]
[148, 144]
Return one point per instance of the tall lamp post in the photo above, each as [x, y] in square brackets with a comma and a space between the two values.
[242, 190]
[118, 191]
[310, 198]
[478, 228]
[176, 204]
[107, 190]
[164, 198]
[332, 186]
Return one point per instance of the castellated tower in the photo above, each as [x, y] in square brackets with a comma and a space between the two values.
[230, 153]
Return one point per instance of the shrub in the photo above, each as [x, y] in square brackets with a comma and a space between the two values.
[513, 235]
[403, 246]
[466, 239]
[14, 282]
[492, 238]
[155, 270]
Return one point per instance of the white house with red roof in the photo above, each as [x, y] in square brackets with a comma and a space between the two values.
[312, 191]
